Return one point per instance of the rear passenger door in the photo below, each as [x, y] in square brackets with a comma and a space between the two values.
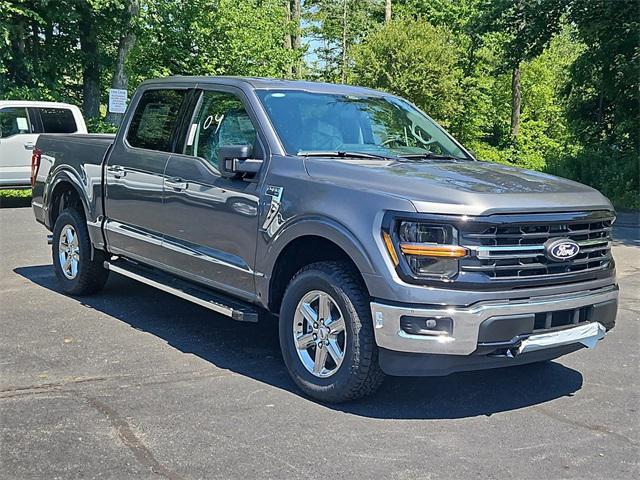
[212, 221]
[134, 175]
[17, 139]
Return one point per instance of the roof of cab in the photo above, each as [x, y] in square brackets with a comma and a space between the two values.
[258, 83]
[34, 103]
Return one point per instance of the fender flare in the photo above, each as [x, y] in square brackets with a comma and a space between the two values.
[66, 175]
[318, 226]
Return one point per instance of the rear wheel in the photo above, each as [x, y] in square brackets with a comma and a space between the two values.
[326, 334]
[77, 272]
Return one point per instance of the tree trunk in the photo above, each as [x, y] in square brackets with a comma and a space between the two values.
[287, 35]
[516, 100]
[387, 11]
[90, 63]
[343, 69]
[296, 38]
[127, 40]
[18, 70]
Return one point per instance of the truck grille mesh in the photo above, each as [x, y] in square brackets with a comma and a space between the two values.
[517, 251]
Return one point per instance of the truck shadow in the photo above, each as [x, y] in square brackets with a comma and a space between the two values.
[252, 350]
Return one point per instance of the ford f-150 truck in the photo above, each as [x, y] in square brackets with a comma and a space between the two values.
[377, 241]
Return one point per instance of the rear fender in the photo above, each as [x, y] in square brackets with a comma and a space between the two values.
[69, 178]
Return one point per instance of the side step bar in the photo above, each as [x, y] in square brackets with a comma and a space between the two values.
[186, 290]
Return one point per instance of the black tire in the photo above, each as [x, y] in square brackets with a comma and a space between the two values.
[359, 374]
[91, 274]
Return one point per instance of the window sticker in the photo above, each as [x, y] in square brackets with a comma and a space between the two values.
[22, 123]
[192, 134]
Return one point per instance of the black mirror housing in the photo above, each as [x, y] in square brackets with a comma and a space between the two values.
[235, 160]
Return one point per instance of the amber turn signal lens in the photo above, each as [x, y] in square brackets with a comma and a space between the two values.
[421, 250]
[392, 251]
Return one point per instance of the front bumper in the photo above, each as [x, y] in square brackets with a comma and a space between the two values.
[467, 323]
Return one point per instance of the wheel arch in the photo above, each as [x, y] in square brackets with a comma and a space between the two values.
[61, 191]
[308, 241]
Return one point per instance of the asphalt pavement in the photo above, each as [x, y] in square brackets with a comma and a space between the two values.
[134, 383]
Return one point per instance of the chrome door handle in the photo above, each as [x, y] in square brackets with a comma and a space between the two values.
[176, 183]
[117, 171]
[29, 145]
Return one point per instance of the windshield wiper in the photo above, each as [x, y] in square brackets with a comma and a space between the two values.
[432, 156]
[343, 154]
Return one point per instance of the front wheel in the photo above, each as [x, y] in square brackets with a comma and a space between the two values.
[77, 272]
[326, 334]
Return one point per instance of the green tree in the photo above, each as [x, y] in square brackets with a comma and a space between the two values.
[604, 99]
[527, 27]
[413, 59]
[333, 27]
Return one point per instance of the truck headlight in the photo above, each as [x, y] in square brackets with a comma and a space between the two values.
[428, 250]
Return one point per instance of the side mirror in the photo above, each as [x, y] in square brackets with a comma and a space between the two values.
[235, 160]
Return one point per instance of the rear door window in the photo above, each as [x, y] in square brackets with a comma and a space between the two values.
[14, 121]
[155, 119]
[57, 120]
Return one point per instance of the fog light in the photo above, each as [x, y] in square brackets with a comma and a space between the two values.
[434, 326]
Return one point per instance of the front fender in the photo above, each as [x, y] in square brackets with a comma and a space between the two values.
[318, 226]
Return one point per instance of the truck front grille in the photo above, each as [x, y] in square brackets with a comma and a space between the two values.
[514, 251]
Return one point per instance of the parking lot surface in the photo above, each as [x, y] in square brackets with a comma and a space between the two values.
[134, 383]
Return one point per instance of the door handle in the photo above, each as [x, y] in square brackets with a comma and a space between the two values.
[176, 183]
[117, 171]
[29, 145]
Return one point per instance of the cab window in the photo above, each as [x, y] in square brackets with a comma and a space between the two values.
[155, 119]
[221, 120]
[57, 120]
[14, 121]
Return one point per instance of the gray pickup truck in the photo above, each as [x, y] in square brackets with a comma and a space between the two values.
[377, 241]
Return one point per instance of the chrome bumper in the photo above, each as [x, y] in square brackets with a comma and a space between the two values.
[588, 335]
[466, 322]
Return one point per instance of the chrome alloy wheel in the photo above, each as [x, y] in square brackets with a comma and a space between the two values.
[319, 333]
[69, 251]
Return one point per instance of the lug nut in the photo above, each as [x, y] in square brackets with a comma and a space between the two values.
[315, 325]
[315, 336]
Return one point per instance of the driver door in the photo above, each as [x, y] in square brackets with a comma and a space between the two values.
[212, 221]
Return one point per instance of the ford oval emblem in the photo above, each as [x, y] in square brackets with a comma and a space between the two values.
[561, 249]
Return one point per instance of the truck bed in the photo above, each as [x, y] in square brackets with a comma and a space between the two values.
[79, 158]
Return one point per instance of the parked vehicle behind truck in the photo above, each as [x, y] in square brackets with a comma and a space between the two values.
[21, 121]
[377, 240]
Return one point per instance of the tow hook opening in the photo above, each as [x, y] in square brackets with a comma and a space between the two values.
[510, 352]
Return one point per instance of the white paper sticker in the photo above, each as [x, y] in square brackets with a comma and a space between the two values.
[117, 100]
[192, 134]
[23, 124]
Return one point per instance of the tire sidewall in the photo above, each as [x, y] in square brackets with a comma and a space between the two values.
[336, 383]
[71, 217]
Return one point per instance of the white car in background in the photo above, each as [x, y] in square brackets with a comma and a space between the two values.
[21, 121]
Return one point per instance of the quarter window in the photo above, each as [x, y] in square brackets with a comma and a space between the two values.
[57, 120]
[155, 119]
[13, 121]
[222, 120]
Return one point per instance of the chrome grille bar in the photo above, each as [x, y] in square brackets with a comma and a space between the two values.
[516, 251]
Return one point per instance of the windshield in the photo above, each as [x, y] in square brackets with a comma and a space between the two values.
[319, 122]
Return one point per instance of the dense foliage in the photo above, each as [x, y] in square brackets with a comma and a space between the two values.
[552, 85]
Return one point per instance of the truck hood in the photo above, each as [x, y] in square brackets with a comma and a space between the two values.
[460, 187]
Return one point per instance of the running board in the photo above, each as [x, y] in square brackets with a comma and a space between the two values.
[186, 290]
